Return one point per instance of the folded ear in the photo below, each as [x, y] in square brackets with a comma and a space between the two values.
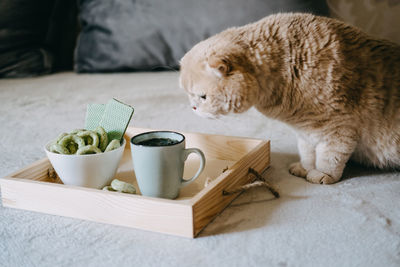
[220, 66]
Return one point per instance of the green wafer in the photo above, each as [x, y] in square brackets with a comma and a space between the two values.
[116, 118]
[94, 113]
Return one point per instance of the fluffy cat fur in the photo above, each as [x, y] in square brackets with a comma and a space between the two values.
[336, 86]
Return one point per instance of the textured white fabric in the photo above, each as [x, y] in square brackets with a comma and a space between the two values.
[355, 222]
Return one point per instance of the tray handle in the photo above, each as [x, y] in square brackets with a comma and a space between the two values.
[257, 181]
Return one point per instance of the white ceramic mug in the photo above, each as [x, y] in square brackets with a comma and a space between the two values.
[159, 168]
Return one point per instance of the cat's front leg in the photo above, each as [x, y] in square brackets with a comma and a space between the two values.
[331, 158]
[307, 159]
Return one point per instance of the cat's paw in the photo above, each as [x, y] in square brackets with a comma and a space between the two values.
[317, 177]
[297, 169]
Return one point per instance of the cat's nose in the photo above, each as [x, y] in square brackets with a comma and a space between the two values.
[194, 108]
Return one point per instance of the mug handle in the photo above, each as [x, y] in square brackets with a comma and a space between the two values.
[186, 153]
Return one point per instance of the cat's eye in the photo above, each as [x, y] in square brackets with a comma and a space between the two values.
[203, 97]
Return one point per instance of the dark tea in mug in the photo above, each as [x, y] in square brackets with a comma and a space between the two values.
[158, 142]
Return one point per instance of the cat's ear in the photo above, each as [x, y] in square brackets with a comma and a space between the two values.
[221, 67]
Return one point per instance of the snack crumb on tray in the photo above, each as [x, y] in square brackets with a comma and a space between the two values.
[120, 186]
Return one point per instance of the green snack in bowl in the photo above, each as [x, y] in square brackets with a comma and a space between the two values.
[90, 137]
[61, 137]
[123, 187]
[71, 138]
[89, 149]
[57, 148]
[81, 142]
[77, 131]
[103, 138]
[114, 144]
[72, 147]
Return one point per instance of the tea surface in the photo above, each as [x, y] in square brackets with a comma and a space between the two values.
[158, 142]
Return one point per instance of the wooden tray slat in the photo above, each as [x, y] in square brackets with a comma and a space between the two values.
[100, 206]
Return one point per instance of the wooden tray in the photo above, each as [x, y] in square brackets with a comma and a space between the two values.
[228, 160]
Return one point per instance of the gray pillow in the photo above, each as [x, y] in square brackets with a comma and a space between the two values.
[123, 35]
[23, 29]
[36, 37]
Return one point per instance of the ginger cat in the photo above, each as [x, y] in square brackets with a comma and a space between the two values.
[337, 87]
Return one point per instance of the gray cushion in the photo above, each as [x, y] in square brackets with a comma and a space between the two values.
[36, 37]
[23, 29]
[119, 35]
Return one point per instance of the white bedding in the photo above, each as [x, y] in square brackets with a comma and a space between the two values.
[355, 222]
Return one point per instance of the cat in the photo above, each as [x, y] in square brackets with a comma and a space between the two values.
[336, 86]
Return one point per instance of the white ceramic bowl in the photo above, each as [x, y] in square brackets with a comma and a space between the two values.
[92, 170]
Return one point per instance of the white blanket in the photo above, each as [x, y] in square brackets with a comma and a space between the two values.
[355, 222]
